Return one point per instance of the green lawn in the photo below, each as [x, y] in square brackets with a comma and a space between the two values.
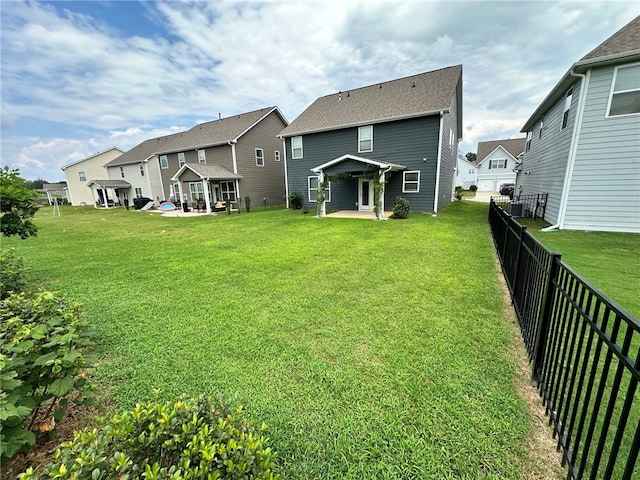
[370, 349]
[610, 261]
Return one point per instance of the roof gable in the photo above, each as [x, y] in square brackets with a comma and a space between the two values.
[418, 95]
[207, 172]
[90, 157]
[512, 146]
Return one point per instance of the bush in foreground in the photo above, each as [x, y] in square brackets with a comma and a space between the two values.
[12, 273]
[187, 439]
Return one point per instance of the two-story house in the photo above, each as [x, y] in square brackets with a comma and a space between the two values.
[583, 141]
[79, 173]
[496, 161]
[226, 159]
[465, 173]
[401, 135]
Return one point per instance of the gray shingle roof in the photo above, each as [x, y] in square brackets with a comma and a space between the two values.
[109, 183]
[414, 96]
[515, 146]
[216, 132]
[624, 40]
[212, 172]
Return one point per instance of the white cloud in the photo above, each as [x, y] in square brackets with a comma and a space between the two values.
[106, 88]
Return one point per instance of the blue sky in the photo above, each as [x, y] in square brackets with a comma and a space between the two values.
[81, 77]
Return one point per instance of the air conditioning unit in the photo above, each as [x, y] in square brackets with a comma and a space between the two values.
[516, 209]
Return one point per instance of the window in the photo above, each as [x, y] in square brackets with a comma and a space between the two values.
[498, 163]
[527, 146]
[259, 157]
[181, 158]
[122, 172]
[365, 139]
[228, 191]
[195, 190]
[174, 191]
[142, 169]
[202, 157]
[625, 91]
[411, 182]
[567, 107]
[164, 162]
[276, 155]
[541, 127]
[312, 183]
[82, 176]
[138, 191]
[451, 139]
[296, 147]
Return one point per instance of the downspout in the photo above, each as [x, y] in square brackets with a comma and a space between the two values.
[573, 151]
[439, 159]
[234, 160]
[145, 164]
[286, 177]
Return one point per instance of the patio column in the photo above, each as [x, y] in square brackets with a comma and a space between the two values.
[380, 199]
[105, 198]
[322, 211]
[207, 200]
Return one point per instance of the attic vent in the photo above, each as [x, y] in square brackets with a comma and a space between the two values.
[414, 85]
[339, 96]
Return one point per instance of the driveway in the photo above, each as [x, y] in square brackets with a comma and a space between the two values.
[483, 196]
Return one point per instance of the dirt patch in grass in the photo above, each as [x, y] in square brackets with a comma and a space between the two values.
[543, 459]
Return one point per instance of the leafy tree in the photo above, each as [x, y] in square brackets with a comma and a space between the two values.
[17, 205]
[35, 184]
[471, 157]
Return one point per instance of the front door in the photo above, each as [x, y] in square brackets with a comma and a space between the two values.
[365, 195]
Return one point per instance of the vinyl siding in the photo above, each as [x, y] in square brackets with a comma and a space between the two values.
[220, 155]
[547, 159]
[267, 181]
[132, 175]
[496, 176]
[604, 192]
[405, 142]
[78, 191]
[448, 156]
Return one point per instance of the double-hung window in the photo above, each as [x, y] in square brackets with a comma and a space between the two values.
[164, 162]
[276, 155]
[228, 191]
[527, 146]
[541, 127]
[365, 138]
[312, 183]
[624, 98]
[181, 158]
[142, 169]
[196, 191]
[82, 176]
[202, 157]
[498, 163]
[259, 157]
[122, 172]
[296, 147]
[567, 107]
[138, 192]
[411, 182]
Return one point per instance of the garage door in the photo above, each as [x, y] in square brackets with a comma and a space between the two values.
[487, 185]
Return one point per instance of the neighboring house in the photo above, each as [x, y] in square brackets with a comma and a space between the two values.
[497, 160]
[56, 192]
[465, 173]
[583, 141]
[226, 159]
[78, 174]
[405, 131]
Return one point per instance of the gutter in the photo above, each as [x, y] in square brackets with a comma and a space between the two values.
[286, 176]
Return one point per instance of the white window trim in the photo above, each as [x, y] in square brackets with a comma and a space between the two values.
[293, 150]
[405, 182]
[142, 169]
[276, 155]
[82, 174]
[138, 192]
[527, 145]
[327, 197]
[181, 159]
[164, 162]
[202, 159]
[259, 157]
[121, 172]
[611, 93]
[493, 163]
[360, 139]
[227, 191]
[194, 192]
[568, 98]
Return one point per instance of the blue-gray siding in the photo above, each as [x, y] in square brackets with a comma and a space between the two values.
[405, 142]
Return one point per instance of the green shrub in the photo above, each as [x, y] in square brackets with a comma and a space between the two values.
[459, 193]
[12, 278]
[473, 188]
[187, 439]
[295, 200]
[401, 208]
[43, 342]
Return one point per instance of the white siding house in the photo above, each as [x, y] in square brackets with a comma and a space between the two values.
[497, 160]
[465, 173]
[583, 141]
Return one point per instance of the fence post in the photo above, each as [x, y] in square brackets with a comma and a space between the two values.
[523, 232]
[545, 317]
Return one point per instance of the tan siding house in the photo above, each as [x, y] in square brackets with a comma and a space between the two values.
[79, 173]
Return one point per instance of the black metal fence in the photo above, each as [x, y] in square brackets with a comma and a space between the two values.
[585, 354]
[533, 206]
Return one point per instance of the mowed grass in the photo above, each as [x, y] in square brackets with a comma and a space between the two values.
[610, 261]
[370, 349]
